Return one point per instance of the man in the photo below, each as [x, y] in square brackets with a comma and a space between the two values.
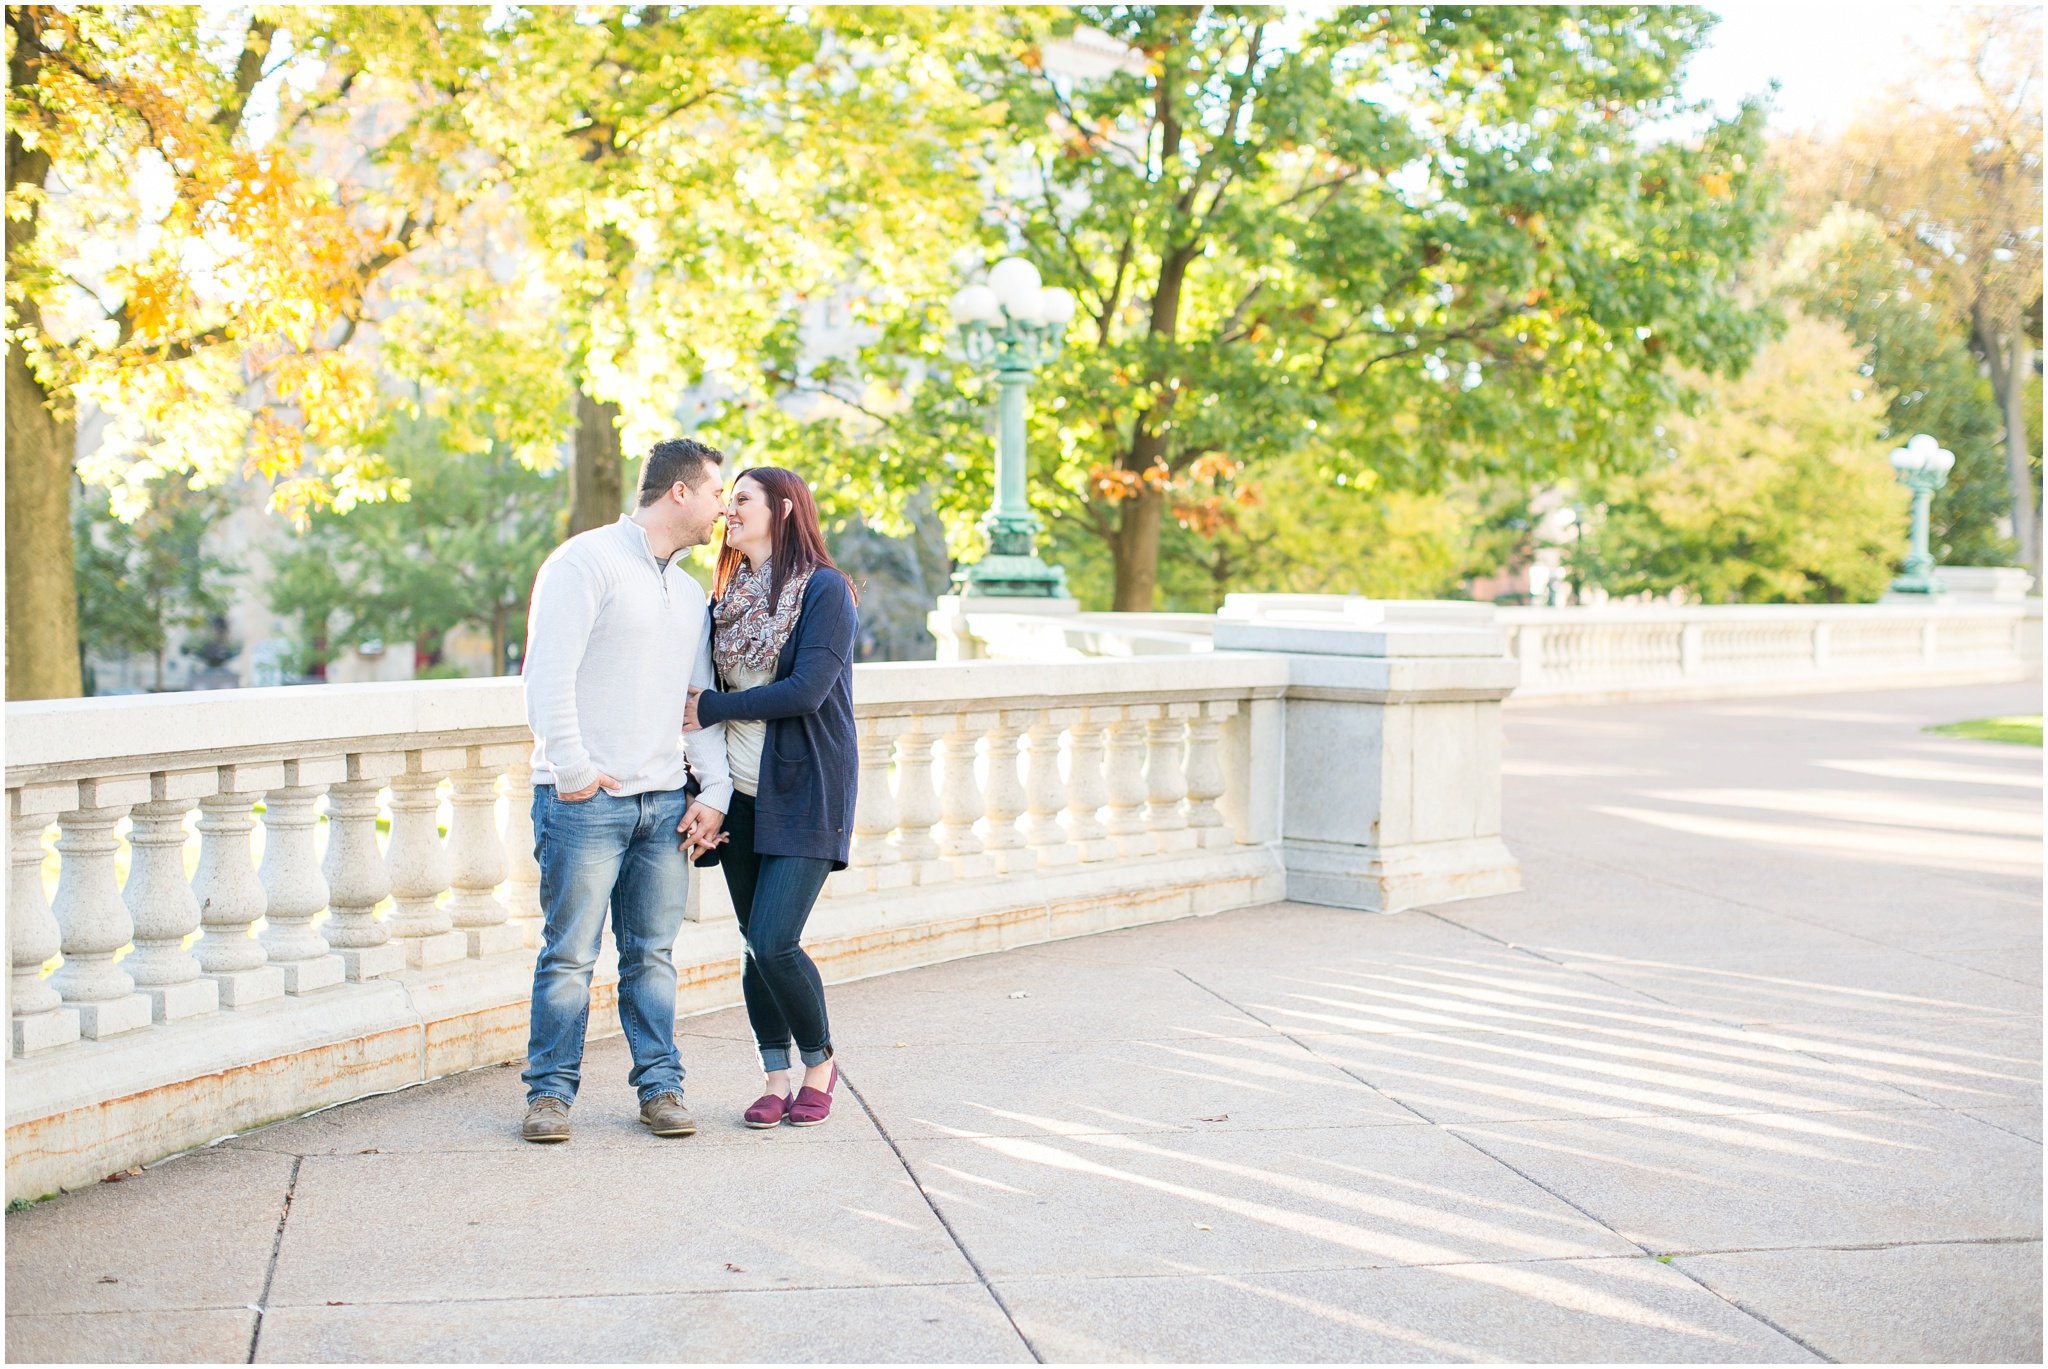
[616, 636]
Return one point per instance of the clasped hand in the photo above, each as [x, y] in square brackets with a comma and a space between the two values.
[699, 830]
[690, 720]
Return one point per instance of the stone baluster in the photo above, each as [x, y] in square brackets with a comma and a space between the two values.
[1086, 792]
[231, 897]
[1045, 792]
[356, 879]
[960, 805]
[521, 891]
[1205, 772]
[1002, 794]
[874, 808]
[476, 855]
[1166, 781]
[917, 804]
[92, 921]
[1124, 781]
[294, 890]
[161, 903]
[419, 863]
[37, 1010]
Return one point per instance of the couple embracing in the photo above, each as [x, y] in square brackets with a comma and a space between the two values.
[668, 729]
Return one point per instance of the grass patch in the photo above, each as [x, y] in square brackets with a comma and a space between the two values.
[2019, 731]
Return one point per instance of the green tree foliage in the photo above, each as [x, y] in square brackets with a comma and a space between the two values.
[1847, 269]
[1306, 527]
[1951, 165]
[651, 191]
[1418, 242]
[1778, 491]
[140, 582]
[461, 549]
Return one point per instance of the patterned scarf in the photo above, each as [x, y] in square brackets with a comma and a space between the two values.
[751, 633]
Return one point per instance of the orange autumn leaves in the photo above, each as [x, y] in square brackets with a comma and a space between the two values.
[1204, 497]
[197, 282]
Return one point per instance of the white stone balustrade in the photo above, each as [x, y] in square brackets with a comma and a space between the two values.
[476, 853]
[1124, 782]
[917, 802]
[92, 921]
[354, 866]
[40, 1019]
[1000, 804]
[1984, 631]
[231, 895]
[1086, 792]
[294, 889]
[1630, 651]
[161, 904]
[419, 864]
[521, 891]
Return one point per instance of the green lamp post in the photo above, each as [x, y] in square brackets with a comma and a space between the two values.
[1012, 325]
[1923, 466]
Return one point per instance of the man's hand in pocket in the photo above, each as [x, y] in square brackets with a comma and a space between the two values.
[603, 781]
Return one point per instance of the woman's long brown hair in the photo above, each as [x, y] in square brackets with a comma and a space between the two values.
[797, 545]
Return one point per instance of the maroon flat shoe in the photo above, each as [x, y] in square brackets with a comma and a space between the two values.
[767, 1111]
[812, 1107]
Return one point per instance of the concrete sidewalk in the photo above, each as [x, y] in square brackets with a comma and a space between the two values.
[1750, 1072]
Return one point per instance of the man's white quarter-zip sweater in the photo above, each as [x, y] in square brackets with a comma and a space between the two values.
[613, 641]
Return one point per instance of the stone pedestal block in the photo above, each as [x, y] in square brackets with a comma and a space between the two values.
[240, 988]
[442, 948]
[112, 1016]
[304, 976]
[175, 1002]
[369, 962]
[493, 940]
[1392, 752]
[55, 1027]
[1385, 880]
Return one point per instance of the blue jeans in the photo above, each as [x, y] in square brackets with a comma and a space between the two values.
[618, 854]
[773, 896]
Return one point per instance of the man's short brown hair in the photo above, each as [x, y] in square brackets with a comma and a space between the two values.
[680, 458]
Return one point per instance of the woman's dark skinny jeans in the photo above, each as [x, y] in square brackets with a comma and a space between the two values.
[772, 895]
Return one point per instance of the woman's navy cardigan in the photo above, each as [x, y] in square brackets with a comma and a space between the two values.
[810, 763]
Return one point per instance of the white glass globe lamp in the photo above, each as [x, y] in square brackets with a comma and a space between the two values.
[976, 304]
[1016, 285]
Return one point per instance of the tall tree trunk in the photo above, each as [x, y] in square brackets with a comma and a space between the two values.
[2008, 354]
[1136, 551]
[597, 494]
[2026, 515]
[42, 584]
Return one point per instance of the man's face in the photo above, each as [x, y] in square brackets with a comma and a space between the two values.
[699, 507]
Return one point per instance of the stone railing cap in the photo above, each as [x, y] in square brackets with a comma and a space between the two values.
[1342, 639]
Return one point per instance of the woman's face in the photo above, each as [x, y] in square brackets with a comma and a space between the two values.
[749, 523]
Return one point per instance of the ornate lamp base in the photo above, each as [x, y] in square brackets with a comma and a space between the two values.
[997, 576]
[1921, 583]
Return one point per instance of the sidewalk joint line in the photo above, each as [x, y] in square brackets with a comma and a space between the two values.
[1752, 1313]
[958, 1244]
[276, 1244]
[1529, 1179]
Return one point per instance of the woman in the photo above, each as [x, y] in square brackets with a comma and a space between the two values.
[782, 631]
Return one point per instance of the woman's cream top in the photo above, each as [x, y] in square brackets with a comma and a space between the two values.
[744, 736]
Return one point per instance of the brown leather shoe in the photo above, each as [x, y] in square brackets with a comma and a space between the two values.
[665, 1115]
[547, 1119]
